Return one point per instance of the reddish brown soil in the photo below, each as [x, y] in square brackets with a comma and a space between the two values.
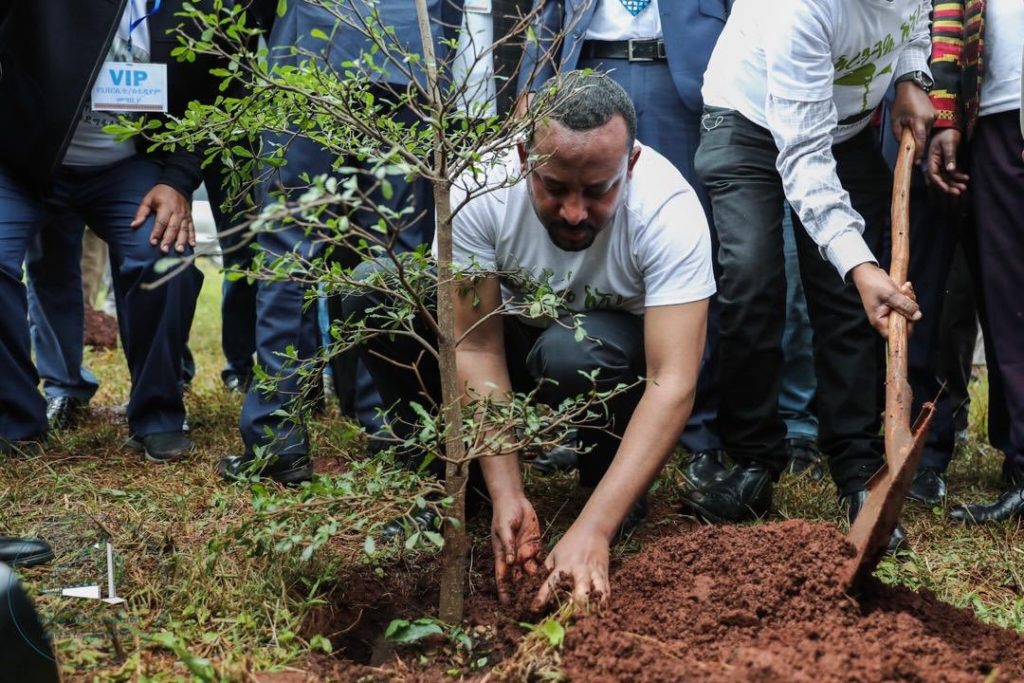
[759, 604]
[100, 329]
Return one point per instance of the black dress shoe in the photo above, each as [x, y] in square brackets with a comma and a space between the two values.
[162, 447]
[928, 487]
[705, 467]
[1010, 504]
[745, 493]
[634, 518]
[396, 529]
[24, 552]
[855, 501]
[284, 469]
[235, 384]
[64, 412]
[561, 458]
[804, 458]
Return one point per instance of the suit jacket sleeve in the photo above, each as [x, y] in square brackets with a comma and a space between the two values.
[542, 45]
[947, 62]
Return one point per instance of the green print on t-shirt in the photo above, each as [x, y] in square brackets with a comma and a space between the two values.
[859, 71]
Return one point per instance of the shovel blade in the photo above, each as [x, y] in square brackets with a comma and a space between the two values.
[870, 532]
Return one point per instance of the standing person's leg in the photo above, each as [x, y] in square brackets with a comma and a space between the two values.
[238, 296]
[997, 179]
[22, 408]
[849, 360]
[796, 395]
[154, 321]
[736, 162]
[57, 315]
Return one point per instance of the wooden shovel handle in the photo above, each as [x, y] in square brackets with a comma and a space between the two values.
[897, 393]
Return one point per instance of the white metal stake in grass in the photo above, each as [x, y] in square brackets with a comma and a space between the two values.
[111, 598]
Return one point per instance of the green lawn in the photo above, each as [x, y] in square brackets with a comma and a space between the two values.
[215, 591]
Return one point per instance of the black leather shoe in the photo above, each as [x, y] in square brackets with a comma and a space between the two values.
[396, 529]
[855, 501]
[1010, 504]
[64, 412]
[235, 384]
[24, 552]
[284, 469]
[634, 518]
[22, 447]
[804, 458]
[162, 447]
[928, 487]
[745, 493]
[705, 467]
[561, 458]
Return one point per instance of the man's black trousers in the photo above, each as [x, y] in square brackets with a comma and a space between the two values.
[736, 160]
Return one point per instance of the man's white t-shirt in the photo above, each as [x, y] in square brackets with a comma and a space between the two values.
[846, 50]
[656, 251]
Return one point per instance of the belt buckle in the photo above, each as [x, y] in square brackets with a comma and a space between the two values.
[630, 54]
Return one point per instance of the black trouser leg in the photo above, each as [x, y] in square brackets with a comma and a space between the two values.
[736, 162]
[849, 354]
[614, 348]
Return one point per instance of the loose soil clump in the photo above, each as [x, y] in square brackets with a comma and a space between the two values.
[100, 329]
[753, 603]
[763, 603]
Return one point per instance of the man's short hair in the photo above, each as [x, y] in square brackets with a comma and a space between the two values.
[582, 101]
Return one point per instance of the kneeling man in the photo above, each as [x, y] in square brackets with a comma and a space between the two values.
[612, 226]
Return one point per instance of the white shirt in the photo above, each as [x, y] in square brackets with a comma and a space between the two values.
[799, 68]
[612, 21]
[1004, 39]
[656, 251]
[474, 60]
[90, 146]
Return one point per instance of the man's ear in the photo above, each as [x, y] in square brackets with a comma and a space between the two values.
[633, 156]
[523, 157]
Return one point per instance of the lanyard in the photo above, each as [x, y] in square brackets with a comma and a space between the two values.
[134, 23]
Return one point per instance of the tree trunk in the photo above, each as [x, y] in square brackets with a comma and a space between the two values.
[453, 555]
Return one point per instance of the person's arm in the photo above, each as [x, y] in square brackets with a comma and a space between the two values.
[483, 370]
[942, 169]
[673, 346]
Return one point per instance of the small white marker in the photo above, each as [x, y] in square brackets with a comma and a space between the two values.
[91, 592]
[111, 598]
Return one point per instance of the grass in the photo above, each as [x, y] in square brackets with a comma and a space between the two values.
[206, 600]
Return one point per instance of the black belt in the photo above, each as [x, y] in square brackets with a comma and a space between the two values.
[635, 50]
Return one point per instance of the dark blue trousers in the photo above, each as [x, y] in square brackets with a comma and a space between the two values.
[53, 266]
[665, 124]
[284, 317]
[238, 297]
[154, 321]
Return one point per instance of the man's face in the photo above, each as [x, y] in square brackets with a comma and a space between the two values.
[579, 179]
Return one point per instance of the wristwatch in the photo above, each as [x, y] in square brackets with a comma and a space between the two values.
[919, 78]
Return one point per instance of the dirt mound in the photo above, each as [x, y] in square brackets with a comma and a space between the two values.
[100, 329]
[763, 604]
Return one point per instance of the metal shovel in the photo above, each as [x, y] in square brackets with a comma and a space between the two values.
[887, 490]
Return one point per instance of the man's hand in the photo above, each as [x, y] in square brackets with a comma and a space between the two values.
[941, 169]
[515, 536]
[173, 224]
[881, 296]
[913, 109]
[582, 556]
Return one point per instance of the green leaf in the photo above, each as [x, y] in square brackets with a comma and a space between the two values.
[318, 33]
[435, 538]
[554, 631]
[405, 632]
[369, 545]
[282, 7]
